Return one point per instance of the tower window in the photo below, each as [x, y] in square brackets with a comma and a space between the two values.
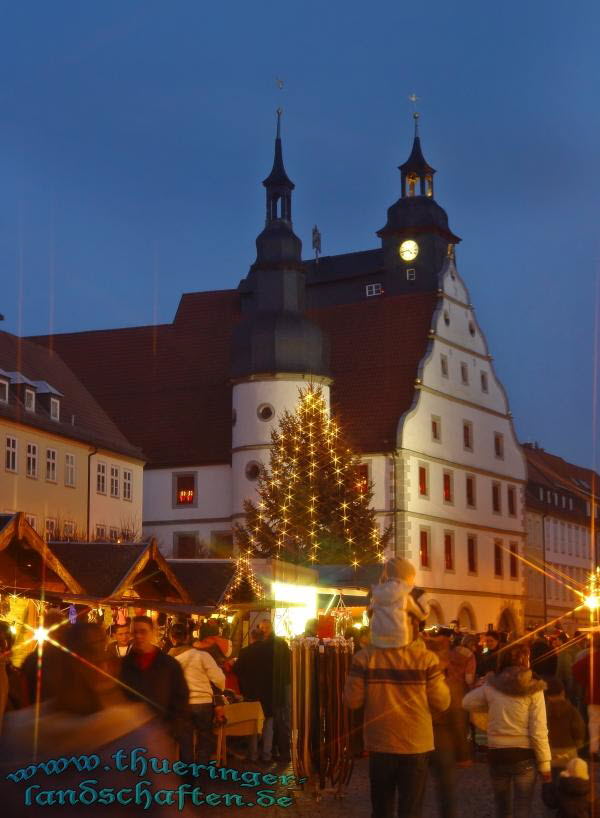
[444, 365]
[446, 318]
[464, 373]
[436, 428]
[184, 490]
[428, 186]
[265, 411]
[499, 445]
[411, 274]
[373, 289]
[472, 328]
[252, 470]
[412, 179]
[484, 382]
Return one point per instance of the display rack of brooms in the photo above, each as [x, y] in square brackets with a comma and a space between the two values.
[321, 723]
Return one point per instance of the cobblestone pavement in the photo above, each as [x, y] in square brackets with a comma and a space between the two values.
[474, 797]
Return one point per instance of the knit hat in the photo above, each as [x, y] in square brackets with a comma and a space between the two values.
[397, 568]
[576, 768]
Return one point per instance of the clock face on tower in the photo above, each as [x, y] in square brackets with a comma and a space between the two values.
[408, 250]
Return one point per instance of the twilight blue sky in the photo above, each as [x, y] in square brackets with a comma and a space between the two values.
[134, 137]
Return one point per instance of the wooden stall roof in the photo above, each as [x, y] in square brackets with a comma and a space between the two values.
[112, 570]
[208, 580]
[27, 564]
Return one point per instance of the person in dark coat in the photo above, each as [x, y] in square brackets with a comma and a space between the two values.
[570, 796]
[487, 662]
[154, 677]
[543, 658]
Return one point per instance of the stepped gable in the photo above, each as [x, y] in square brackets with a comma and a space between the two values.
[168, 387]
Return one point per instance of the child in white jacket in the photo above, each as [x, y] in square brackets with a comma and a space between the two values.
[391, 602]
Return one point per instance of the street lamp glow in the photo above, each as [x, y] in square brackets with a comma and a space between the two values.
[592, 602]
[41, 634]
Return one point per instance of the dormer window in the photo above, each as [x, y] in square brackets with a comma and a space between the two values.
[3, 391]
[55, 409]
[30, 400]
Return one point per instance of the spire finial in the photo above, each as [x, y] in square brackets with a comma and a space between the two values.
[279, 112]
[414, 99]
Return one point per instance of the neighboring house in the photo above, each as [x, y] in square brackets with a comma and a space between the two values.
[562, 504]
[65, 463]
[390, 335]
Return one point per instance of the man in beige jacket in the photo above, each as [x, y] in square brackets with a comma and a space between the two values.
[400, 689]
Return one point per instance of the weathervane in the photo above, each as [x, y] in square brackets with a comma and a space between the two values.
[279, 111]
[414, 99]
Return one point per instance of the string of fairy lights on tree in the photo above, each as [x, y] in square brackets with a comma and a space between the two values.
[313, 498]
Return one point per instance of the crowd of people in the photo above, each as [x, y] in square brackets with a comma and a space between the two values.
[436, 699]
[430, 701]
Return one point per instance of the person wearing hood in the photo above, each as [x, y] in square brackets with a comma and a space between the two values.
[517, 731]
[392, 602]
[570, 795]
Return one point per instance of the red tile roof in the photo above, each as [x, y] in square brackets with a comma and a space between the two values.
[168, 387]
[81, 416]
[555, 473]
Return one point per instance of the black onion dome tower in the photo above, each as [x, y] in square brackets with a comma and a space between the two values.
[275, 336]
[416, 238]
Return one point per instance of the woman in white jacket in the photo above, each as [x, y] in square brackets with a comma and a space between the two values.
[517, 732]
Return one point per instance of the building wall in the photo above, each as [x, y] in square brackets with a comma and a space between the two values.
[111, 514]
[442, 395]
[53, 500]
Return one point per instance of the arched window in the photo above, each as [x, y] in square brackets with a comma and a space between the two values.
[466, 618]
[412, 180]
[436, 616]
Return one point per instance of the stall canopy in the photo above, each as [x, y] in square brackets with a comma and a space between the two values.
[209, 581]
[28, 565]
[352, 584]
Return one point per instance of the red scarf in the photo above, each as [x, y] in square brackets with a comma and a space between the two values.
[145, 660]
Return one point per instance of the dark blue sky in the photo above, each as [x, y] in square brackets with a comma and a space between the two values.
[134, 137]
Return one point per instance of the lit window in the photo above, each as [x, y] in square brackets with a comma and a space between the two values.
[114, 481]
[50, 528]
[498, 559]
[484, 382]
[448, 487]
[496, 498]
[30, 400]
[499, 445]
[3, 391]
[101, 533]
[464, 373]
[444, 365]
[51, 465]
[362, 478]
[472, 554]
[70, 470]
[513, 561]
[448, 551]
[373, 289]
[424, 548]
[127, 485]
[470, 490]
[423, 487]
[10, 461]
[436, 428]
[101, 478]
[32, 460]
[55, 408]
[511, 494]
[468, 435]
[185, 493]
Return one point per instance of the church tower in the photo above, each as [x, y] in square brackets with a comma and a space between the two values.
[276, 349]
[416, 238]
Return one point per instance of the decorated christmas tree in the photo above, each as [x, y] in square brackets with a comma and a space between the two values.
[314, 496]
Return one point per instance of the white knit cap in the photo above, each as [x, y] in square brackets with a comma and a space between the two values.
[576, 768]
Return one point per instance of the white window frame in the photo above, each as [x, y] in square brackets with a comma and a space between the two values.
[68, 528]
[29, 400]
[31, 466]
[128, 485]
[115, 481]
[70, 470]
[55, 409]
[11, 454]
[411, 274]
[4, 386]
[373, 289]
[100, 532]
[51, 467]
[113, 534]
[32, 520]
[101, 480]
[49, 528]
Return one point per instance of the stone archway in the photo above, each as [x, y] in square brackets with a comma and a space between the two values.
[466, 618]
[436, 615]
[507, 621]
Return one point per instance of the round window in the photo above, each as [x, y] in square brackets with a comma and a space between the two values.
[265, 411]
[252, 470]
[446, 318]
